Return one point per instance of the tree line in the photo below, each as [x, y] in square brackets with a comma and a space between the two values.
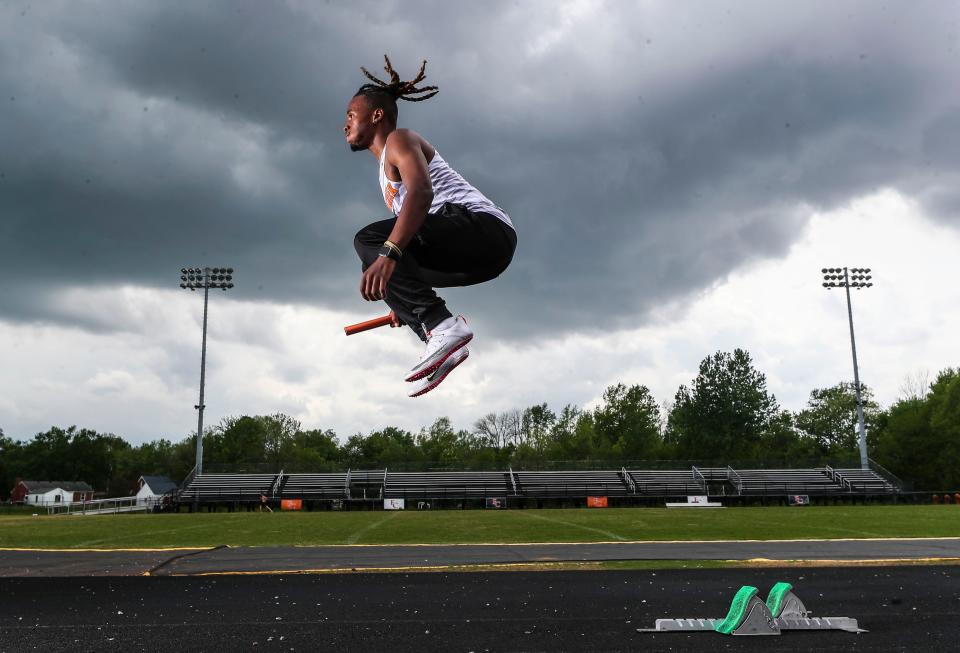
[725, 416]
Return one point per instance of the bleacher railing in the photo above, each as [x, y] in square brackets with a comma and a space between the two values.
[102, 506]
[698, 477]
[831, 472]
[189, 479]
[735, 479]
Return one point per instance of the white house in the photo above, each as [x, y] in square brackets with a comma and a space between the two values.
[153, 487]
[51, 493]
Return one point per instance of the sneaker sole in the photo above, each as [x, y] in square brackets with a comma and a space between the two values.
[437, 382]
[427, 371]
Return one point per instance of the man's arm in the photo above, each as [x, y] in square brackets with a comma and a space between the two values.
[406, 154]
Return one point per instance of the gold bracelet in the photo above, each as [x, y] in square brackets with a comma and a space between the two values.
[394, 247]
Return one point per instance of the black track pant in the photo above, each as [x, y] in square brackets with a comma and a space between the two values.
[454, 247]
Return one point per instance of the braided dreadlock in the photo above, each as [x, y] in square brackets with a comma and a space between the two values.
[384, 95]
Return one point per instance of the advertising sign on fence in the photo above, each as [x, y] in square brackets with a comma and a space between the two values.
[291, 504]
[596, 502]
[393, 504]
[495, 503]
[798, 499]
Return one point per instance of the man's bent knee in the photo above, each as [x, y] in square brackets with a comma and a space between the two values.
[373, 234]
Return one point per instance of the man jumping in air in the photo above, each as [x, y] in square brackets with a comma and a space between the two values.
[444, 231]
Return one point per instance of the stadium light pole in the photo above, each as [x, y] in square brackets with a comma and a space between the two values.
[194, 279]
[857, 278]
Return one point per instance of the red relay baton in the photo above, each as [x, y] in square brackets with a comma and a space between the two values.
[366, 326]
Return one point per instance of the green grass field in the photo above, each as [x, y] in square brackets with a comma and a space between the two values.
[474, 526]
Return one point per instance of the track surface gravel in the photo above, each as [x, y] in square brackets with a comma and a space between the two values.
[904, 608]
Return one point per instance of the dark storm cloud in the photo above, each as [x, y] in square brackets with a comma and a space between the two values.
[638, 163]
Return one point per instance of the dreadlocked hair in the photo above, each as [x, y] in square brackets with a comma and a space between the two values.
[384, 95]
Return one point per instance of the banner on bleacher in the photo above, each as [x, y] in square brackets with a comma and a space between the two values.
[291, 504]
[393, 504]
[596, 502]
[798, 499]
[495, 502]
[698, 499]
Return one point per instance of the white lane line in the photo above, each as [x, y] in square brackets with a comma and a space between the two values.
[580, 526]
[352, 540]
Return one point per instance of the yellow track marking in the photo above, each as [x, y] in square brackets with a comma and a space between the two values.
[503, 544]
[127, 550]
[588, 564]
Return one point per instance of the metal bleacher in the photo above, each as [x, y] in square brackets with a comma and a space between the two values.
[667, 483]
[365, 483]
[315, 486]
[786, 481]
[864, 480]
[437, 485]
[571, 484]
[383, 483]
[228, 487]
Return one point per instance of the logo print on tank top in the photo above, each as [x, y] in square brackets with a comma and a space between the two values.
[389, 192]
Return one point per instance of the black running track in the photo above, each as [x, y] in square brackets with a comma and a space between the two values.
[904, 608]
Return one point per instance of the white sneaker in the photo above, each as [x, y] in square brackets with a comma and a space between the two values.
[440, 345]
[428, 383]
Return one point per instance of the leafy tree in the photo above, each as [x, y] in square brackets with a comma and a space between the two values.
[183, 458]
[279, 433]
[830, 419]
[628, 423]
[310, 451]
[920, 441]
[156, 458]
[563, 431]
[945, 424]
[574, 436]
[10, 455]
[727, 412]
[782, 444]
[381, 448]
[236, 441]
[904, 446]
[535, 424]
[72, 454]
[441, 444]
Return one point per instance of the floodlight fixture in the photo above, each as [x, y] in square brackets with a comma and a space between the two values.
[196, 278]
[856, 278]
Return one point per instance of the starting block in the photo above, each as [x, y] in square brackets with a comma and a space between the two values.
[748, 615]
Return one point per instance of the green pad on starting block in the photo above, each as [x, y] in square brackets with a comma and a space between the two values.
[776, 596]
[738, 610]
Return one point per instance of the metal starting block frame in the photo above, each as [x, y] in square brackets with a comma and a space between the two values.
[748, 615]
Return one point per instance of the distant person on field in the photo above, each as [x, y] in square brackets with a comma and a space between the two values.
[265, 503]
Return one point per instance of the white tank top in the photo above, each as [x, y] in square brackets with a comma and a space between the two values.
[448, 186]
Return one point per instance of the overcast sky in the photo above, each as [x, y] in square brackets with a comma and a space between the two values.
[677, 173]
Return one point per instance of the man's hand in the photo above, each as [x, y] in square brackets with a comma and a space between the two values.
[373, 283]
[394, 320]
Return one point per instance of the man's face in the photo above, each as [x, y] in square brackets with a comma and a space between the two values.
[358, 128]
